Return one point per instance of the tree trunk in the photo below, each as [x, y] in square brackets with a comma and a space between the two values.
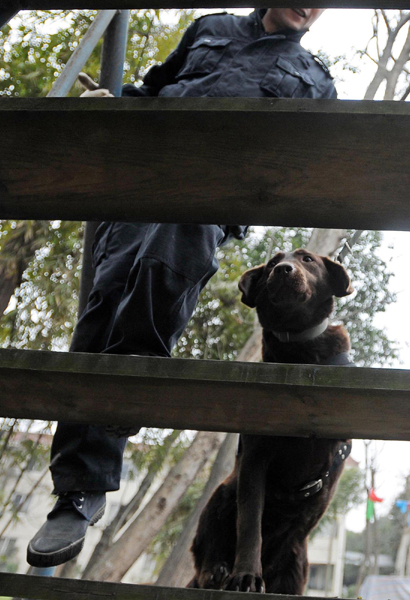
[393, 75]
[16, 251]
[125, 551]
[10, 280]
[178, 570]
[326, 241]
[385, 56]
[252, 351]
[8, 284]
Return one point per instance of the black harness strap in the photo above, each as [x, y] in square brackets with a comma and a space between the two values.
[313, 487]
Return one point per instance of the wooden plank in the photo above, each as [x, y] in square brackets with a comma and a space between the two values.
[318, 163]
[100, 4]
[289, 400]
[54, 588]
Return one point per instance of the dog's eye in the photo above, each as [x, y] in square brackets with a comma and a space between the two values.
[308, 259]
[272, 263]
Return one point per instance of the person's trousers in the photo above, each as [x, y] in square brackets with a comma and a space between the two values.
[147, 281]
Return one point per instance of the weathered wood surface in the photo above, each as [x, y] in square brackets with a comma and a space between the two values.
[64, 4]
[54, 588]
[290, 400]
[318, 163]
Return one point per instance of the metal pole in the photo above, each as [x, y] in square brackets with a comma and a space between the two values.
[112, 66]
[6, 15]
[113, 53]
[81, 54]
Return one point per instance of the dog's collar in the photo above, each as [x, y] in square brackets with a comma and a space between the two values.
[302, 336]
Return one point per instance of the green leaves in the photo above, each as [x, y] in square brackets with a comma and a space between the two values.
[42, 260]
[35, 51]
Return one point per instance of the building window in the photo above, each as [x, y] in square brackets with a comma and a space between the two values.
[317, 577]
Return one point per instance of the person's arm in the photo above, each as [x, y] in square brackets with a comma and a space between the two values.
[330, 92]
[161, 75]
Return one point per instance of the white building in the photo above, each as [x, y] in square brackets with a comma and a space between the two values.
[326, 558]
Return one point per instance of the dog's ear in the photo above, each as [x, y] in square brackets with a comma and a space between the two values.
[339, 278]
[248, 285]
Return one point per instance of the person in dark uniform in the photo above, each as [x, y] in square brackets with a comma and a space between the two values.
[148, 276]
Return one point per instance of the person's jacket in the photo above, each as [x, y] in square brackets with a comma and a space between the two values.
[228, 55]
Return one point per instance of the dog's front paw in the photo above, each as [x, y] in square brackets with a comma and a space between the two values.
[214, 578]
[245, 582]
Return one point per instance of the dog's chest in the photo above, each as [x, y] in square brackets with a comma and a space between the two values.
[292, 462]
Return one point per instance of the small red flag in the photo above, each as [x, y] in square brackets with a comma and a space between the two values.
[373, 497]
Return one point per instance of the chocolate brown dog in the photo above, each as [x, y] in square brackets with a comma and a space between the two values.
[252, 535]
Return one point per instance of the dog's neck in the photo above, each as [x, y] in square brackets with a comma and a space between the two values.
[334, 340]
[302, 336]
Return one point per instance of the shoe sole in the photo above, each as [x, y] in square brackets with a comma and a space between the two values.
[53, 559]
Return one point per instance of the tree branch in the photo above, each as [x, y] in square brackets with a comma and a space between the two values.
[386, 21]
[394, 74]
[406, 93]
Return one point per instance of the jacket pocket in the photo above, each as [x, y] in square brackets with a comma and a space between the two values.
[203, 56]
[286, 80]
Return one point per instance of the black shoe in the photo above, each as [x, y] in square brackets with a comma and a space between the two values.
[62, 535]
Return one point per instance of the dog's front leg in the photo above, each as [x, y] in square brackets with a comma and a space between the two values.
[247, 571]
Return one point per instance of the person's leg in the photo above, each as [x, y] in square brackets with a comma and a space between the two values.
[85, 457]
[173, 264]
[153, 274]
[115, 248]
[156, 273]
[85, 461]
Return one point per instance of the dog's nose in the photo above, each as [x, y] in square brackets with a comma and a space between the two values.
[284, 268]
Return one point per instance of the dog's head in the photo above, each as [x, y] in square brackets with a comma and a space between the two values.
[296, 284]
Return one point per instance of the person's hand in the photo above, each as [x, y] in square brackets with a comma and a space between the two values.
[100, 93]
[92, 89]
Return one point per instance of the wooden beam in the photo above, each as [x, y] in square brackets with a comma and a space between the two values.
[53, 588]
[318, 163]
[275, 399]
[100, 4]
